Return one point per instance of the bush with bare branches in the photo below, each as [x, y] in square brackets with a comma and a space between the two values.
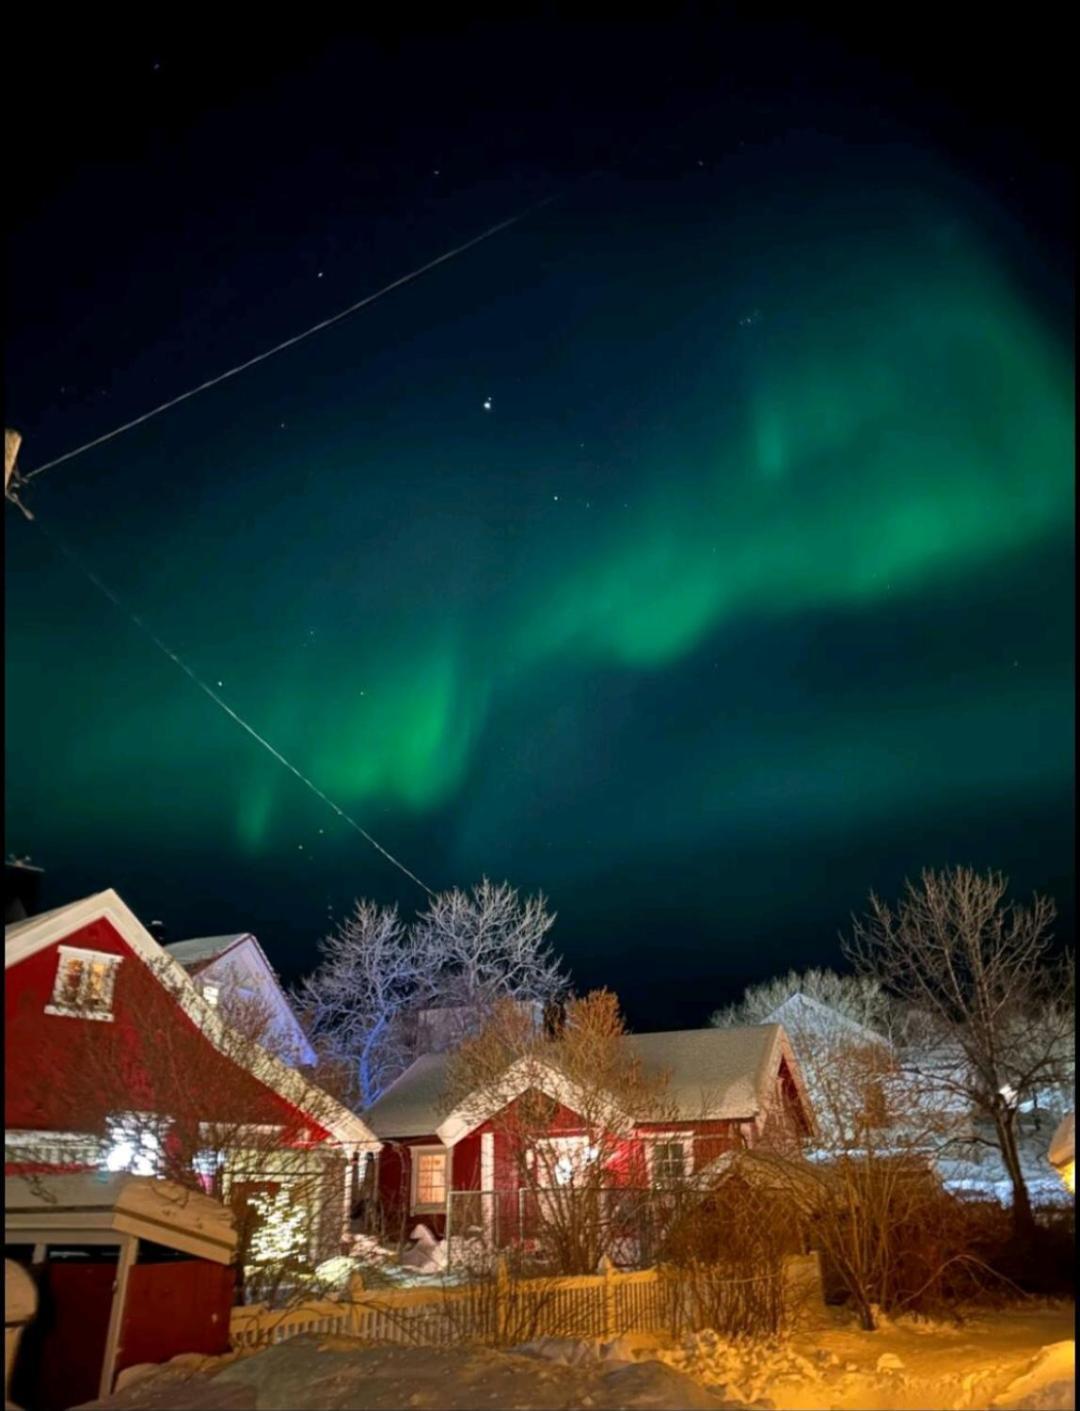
[578, 1173]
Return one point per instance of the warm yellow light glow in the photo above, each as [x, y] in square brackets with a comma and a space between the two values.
[1068, 1175]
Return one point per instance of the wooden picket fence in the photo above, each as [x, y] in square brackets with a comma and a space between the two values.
[499, 1311]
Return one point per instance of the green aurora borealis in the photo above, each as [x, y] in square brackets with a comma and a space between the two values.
[761, 557]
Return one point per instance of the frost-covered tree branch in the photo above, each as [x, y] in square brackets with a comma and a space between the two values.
[490, 944]
[369, 974]
[461, 956]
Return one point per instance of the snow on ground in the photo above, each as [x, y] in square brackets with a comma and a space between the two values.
[332, 1374]
[999, 1359]
[1012, 1359]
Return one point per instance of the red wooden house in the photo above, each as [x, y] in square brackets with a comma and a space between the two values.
[441, 1165]
[111, 1051]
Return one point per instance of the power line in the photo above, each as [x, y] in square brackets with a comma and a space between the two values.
[24, 479]
[203, 686]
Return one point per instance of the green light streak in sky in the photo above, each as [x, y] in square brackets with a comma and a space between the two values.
[898, 426]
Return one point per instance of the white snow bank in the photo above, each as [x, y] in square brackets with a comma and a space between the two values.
[1049, 1384]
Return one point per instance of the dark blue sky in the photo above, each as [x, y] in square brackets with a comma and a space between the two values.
[752, 589]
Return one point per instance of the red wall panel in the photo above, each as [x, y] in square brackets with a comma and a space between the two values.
[150, 1057]
[178, 1306]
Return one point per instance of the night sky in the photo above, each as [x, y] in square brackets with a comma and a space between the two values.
[699, 550]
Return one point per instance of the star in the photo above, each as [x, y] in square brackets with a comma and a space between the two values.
[488, 404]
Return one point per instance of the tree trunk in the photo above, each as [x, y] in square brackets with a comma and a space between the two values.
[1022, 1216]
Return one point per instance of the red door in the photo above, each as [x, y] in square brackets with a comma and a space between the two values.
[181, 1305]
[63, 1348]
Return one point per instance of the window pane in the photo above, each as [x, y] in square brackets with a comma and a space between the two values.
[97, 984]
[669, 1161]
[71, 979]
[431, 1178]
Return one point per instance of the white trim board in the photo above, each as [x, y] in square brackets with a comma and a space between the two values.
[527, 1073]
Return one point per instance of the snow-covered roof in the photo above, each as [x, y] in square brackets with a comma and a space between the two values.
[204, 948]
[801, 1013]
[1063, 1142]
[413, 1105]
[146, 1206]
[712, 1074]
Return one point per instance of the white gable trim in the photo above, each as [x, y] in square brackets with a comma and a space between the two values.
[274, 994]
[38, 933]
[526, 1073]
[779, 1049]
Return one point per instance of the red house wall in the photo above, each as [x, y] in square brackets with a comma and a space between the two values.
[395, 1177]
[150, 1057]
[627, 1165]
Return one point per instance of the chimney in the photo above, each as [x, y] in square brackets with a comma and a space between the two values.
[22, 889]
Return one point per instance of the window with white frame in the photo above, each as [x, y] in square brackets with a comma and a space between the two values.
[211, 994]
[84, 984]
[428, 1178]
[668, 1160]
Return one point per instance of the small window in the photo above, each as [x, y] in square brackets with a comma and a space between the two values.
[429, 1179]
[668, 1163]
[211, 994]
[84, 985]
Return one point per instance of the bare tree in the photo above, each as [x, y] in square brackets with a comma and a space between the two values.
[462, 955]
[978, 975]
[489, 944]
[370, 973]
[866, 1191]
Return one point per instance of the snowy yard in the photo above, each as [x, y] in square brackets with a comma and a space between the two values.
[1018, 1359]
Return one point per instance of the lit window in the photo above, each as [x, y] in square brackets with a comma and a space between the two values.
[84, 985]
[211, 994]
[429, 1180]
[668, 1163]
[134, 1144]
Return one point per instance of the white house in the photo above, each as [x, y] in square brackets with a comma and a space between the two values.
[224, 967]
